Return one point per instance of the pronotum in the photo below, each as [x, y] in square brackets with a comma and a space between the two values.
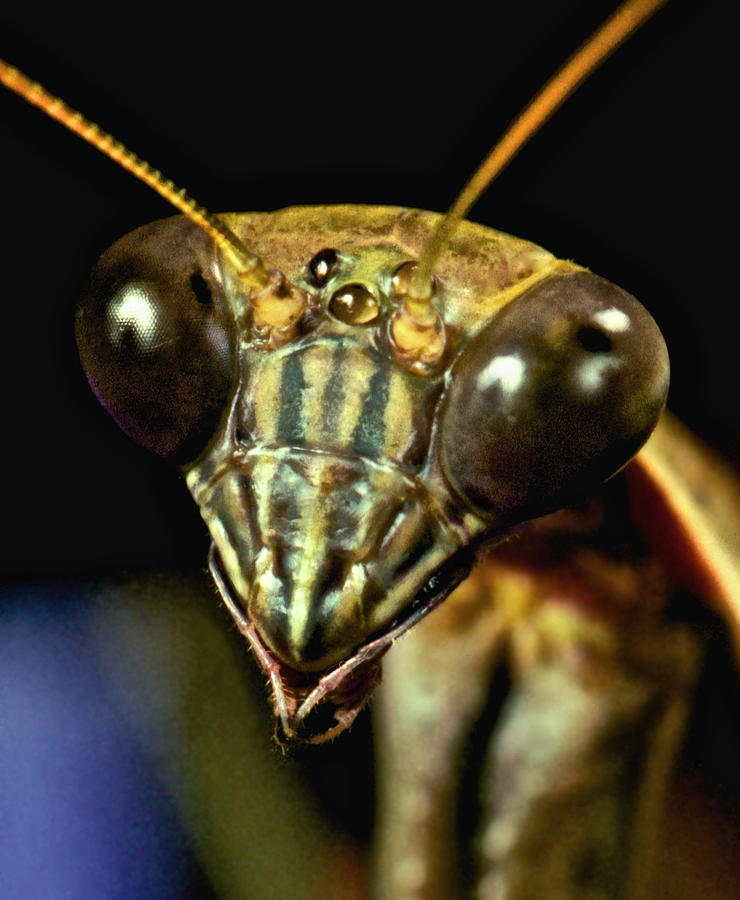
[328, 124]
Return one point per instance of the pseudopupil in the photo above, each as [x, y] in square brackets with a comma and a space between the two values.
[594, 340]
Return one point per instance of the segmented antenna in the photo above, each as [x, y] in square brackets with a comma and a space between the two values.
[248, 266]
[622, 24]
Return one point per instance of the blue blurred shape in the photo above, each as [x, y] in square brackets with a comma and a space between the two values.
[82, 816]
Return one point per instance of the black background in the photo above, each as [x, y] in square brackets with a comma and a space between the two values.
[263, 109]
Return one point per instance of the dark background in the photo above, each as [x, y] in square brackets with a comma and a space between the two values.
[262, 110]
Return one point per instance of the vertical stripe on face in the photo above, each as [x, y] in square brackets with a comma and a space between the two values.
[329, 391]
[338, 396]
[315, 553]
[368, 437]
[290, 425]
[334, 393]
[264, 408]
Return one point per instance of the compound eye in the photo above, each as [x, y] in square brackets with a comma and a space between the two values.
[551, 398]
[156, 338]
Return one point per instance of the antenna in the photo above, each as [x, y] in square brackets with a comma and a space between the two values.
[620, 26]
[277, 303]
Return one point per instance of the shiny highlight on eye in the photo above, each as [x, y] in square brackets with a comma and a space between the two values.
[131, 315]
[508, 371]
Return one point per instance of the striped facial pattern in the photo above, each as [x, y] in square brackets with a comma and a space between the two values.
[345, 485]
[320, 516]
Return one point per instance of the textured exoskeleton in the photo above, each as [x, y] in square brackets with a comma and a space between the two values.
[348, 481]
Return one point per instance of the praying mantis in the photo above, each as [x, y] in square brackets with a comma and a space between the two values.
[330, 123]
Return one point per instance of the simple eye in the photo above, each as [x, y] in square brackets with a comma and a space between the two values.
[156, 339]
[353, 304]
[322, 266]
[553, 397]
